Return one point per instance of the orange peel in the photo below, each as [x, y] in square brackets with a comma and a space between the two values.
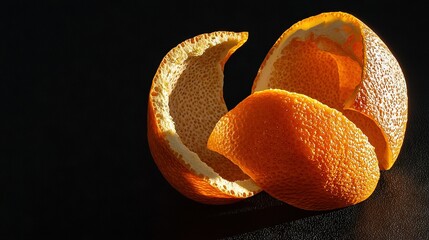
[328, 110]
[185, 102]
[298, 150]
[336, 58]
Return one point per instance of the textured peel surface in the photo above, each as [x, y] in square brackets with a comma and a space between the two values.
[185, 102]
[337, 59]
[298, 150]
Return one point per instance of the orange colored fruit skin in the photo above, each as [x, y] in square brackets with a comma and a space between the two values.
[176, 173]
[298, 150]
[368, 100]
[381, 95]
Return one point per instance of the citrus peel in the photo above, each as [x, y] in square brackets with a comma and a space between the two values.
[332, 103]
[337, 59]
[298, 150]
[185, 102]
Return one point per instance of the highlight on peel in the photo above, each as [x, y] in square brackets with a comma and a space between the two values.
[185, 103]
[337, 59]
[298, 150]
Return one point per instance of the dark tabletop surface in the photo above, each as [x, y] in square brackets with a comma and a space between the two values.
[75, 163]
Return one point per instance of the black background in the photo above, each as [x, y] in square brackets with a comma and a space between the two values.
[75, 163]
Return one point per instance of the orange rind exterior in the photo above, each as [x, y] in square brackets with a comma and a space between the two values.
[336, 58]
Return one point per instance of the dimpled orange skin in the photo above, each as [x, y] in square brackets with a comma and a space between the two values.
[185, 102]
[298, 150]
[177, 174]
[360, 77]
